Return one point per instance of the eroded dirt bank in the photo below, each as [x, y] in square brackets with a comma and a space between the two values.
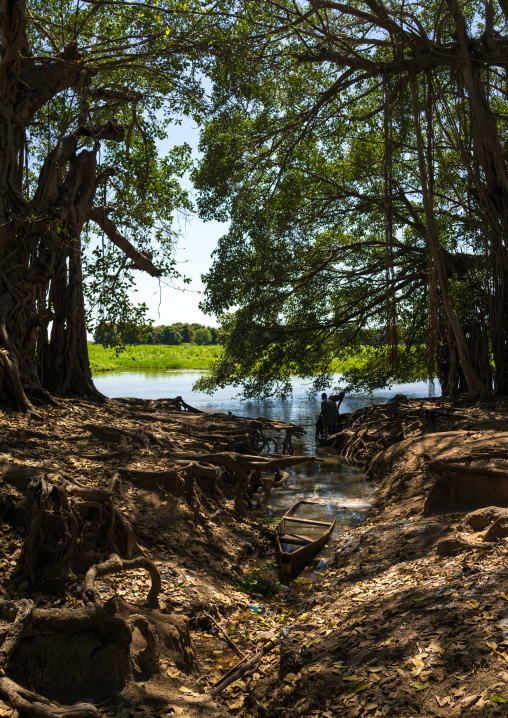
[415, 615]
[410, 618]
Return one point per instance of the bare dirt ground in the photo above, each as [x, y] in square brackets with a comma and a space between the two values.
[410, 618]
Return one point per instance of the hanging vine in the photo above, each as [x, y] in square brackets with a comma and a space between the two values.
[391, 300]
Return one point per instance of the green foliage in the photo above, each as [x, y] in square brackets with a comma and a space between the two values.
[117, 335]
[260, 586]
[137, 74]
[135, 332]
[313, 156]
[202, 336]
[170, 335]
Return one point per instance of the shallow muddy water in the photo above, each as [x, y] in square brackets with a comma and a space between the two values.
[333, 483]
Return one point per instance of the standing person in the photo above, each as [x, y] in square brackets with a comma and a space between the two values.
[336, 399]
[327, 413]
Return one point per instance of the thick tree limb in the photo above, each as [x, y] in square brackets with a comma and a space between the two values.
[99, 216]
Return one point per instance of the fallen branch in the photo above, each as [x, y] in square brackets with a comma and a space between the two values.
[240, 669]
[230, 643]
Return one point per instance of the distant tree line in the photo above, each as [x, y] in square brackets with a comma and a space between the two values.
[174, 334]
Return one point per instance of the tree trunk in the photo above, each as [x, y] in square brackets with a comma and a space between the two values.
[491, 182]
[65, 366]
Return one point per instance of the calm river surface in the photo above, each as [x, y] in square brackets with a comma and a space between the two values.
[333, 483]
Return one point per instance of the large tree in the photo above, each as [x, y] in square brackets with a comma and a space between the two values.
[87, 91]
[349, 126]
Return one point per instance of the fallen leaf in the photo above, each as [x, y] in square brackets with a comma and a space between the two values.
[361, 686]
[419, 665]
[419, 686]
[443, 701]
[435, 647]
[236, 704]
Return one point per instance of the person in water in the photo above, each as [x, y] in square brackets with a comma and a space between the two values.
[336, 399]
[327, 413]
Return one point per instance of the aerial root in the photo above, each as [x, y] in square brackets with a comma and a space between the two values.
[146, 661]
[115, 564]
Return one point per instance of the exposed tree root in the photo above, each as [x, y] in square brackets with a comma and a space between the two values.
[245, 469]
[32, 704]
[146, 661]
[371, 429]
[200, 461]
[115, 564]
[29, 623]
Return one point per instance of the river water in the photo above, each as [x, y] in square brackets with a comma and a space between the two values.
[333, 483]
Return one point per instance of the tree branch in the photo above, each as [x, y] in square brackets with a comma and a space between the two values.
[99, 216]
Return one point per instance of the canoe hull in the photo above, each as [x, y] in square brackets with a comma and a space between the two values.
[291, 561]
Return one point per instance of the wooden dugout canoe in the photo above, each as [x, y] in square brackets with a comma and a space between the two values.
[304, 547]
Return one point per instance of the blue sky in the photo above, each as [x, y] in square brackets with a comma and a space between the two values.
[168, 305]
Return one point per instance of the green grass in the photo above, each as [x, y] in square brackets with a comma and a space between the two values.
[184, 356]
[158, 356]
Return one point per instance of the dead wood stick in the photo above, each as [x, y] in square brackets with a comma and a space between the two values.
[244, 667]
[228, 639]
[115, 564]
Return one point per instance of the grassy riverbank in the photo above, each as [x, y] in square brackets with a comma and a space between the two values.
[158, 356]
[183, 357]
